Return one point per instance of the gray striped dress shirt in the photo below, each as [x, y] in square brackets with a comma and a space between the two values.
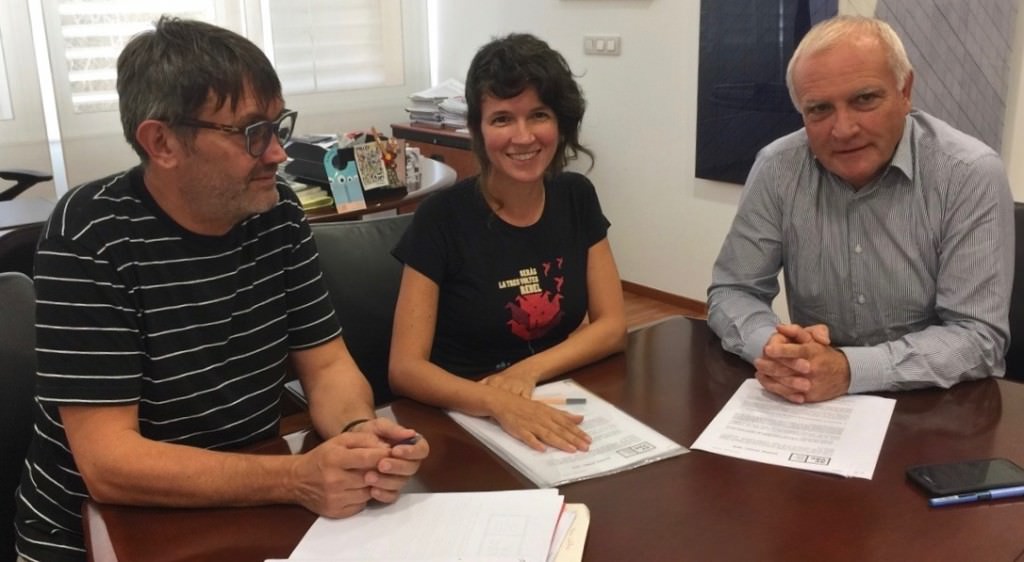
[912, 273]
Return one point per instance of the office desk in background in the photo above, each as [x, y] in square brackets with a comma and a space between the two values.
[444, 145]
[434, 176]
[699, 506]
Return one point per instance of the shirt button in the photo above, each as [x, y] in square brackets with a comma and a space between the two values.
[857, 249]
[861, 299]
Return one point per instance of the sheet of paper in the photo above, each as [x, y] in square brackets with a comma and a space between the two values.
[620, 442]
[294, 386]
[442, 559]
[565, 521]
[841, 436]
[486, 526]
[571, 534]
[449, 88]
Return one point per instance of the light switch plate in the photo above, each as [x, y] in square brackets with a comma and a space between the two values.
[603, 45]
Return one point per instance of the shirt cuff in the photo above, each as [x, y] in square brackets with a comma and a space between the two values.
[755, 342]
[868, 368]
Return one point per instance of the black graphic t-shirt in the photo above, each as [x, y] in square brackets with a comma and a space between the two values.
[506, 292]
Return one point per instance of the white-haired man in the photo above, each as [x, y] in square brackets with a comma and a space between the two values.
[894, 230]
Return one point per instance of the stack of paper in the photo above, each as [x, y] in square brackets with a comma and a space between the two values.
[841, 436]
[312, 197]
[442, 105]
[520, 525]
[453, 112]
[620, 442]
[424, 113]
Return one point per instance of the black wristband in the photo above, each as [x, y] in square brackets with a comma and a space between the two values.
[353, 423]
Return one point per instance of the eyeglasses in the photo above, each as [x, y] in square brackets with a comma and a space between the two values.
[257, 135]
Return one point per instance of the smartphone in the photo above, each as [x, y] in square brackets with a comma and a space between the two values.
[947, 479]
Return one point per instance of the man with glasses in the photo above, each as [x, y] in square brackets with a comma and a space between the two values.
[170, 298]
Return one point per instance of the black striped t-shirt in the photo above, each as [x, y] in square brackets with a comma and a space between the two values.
[132, 308]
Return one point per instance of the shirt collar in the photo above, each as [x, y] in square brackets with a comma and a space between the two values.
[903, 158]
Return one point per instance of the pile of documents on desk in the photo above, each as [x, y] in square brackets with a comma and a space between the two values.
[620, 441]
[311, 197]
[515, 525]
[443, 105]
[301, 176]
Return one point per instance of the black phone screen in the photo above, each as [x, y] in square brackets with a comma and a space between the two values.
[966, 476]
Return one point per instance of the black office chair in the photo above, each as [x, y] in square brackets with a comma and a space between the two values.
[18, 357]
[1015, 357]
[18, 248]
[363, 278]
[23, 179]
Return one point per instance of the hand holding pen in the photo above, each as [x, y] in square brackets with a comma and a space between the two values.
[407, 451]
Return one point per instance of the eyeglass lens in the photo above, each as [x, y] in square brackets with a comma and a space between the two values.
[258, 135]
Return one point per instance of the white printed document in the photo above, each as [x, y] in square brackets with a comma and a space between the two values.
[841, 436]
[620, 442]
[514, 526]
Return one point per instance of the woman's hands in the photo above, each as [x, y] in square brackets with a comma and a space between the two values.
[514, 379]
[534, 423]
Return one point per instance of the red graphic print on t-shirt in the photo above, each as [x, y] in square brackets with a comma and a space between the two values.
[538, 307]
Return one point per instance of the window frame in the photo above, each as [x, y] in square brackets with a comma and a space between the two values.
[26, 125]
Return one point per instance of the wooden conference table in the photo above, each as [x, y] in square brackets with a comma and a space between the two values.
[698, 506]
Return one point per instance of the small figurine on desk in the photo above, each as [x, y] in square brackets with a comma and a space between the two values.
[345, 184]
[412, 168]
[391, 153]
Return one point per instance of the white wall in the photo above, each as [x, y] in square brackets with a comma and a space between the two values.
[667, 226]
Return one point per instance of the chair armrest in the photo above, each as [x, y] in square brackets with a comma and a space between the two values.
[23, 179]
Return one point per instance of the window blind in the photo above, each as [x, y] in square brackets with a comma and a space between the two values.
[330, 45]
[316, 45]
[93, 32]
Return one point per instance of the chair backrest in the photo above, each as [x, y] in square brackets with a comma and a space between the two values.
[18, 357]
[18, 248]
[1015, 357]
[363, 278]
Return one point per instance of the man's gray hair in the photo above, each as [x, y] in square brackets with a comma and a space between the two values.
[826, 34]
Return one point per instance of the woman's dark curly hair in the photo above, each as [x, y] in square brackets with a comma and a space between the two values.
[507, 66]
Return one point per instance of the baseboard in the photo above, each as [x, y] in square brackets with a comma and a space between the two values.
[691, 306]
